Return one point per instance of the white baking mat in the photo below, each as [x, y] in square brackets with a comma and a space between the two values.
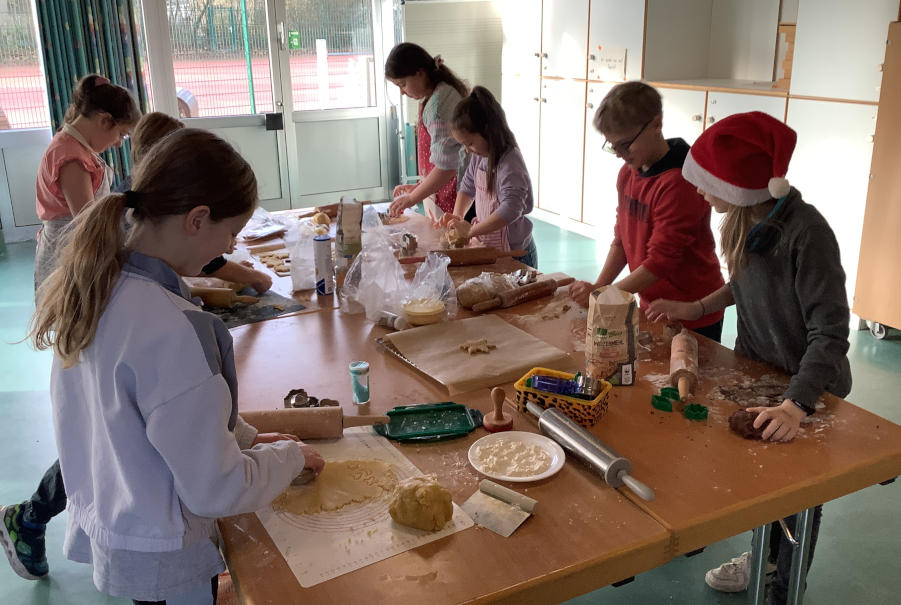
[326, 545]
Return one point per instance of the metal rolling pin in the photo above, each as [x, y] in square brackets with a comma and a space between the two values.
[589, 449]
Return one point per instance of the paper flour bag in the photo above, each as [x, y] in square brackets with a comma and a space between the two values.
[612, 336]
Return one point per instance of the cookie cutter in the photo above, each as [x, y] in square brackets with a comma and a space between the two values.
[298, 398]
[695, 411]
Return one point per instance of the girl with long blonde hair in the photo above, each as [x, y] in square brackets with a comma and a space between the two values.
[143, 384]
[788, 286]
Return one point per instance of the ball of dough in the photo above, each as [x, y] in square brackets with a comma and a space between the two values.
[322, 218]
[422, 502]
[742, 422]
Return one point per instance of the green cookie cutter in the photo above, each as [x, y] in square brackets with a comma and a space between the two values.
[696, 411]
[670, 393]
[661, 403]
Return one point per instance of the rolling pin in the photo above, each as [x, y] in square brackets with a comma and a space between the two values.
[683, 363]
[308, 423]
[221, 297]
[589, 449]
[511, 298]
[481, 255]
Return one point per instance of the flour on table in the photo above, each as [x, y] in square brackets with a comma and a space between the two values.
[341, 483]
[512, 458]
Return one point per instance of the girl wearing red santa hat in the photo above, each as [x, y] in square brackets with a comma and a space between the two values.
[788, 285]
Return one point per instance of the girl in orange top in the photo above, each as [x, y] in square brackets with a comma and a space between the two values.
[72, 174]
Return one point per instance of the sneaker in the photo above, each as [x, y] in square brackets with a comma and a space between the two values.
[735, 575]
[23, 543]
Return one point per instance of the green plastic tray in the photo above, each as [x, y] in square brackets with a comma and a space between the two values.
[429, 422]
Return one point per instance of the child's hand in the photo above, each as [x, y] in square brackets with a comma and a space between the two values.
[400, 204]
[672, 310]
[272, 438]
[461, 228]
[579, 291]
[446, 219]
[784, 421]
[402, 189]
[312, 459]
[260, 281]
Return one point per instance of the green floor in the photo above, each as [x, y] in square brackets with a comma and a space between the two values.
[860, 542]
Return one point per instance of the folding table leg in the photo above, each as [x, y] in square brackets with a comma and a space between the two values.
[800, 556]
[760, 548]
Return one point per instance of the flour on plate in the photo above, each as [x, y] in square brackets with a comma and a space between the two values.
[512, 458]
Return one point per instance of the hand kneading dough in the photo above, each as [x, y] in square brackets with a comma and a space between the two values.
[423, 503]
[341, 483]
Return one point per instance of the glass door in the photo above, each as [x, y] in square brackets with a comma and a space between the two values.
[330, 62]
[212, 63]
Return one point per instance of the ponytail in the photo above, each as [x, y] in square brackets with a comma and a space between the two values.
[72, 299]
[480, 113]
[407, 58]
[96, 94]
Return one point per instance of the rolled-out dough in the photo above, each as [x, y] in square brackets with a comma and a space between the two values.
[342, 482]
[423, 503]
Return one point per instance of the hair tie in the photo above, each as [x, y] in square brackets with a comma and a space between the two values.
[132, 199]
[438, 61]
[100, 80]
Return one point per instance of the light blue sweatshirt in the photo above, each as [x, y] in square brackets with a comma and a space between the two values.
[147, 429]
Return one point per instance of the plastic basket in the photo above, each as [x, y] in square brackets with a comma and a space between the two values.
[586, 413]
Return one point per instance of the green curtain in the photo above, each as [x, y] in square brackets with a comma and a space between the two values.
[79, 37]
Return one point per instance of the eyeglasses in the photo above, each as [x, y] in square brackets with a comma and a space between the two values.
[622, 148]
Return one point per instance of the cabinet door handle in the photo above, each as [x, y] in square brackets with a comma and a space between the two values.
[535, 99]
[543, 100]
[711, 120]
[696, 118]
[590, 106]
[544, 55]
[537, 54]
[871, 138]
[592, 57]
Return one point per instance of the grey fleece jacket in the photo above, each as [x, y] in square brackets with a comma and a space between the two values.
[792, 307]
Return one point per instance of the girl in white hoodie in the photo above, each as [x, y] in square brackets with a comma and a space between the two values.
[143, 385]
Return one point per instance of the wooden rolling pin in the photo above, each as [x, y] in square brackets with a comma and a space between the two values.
[308, 423]
[482, 255]
[222, 297]
[511, 298]
[330, 209]
[683, 363]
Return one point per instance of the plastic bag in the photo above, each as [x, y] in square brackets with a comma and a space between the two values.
[433, 282]
[299, 241]
[263, 224]
[375, 281]
[484, 287]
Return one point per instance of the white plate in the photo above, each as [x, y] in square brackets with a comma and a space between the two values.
[558, 456]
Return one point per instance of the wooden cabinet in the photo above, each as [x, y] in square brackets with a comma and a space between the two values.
[601, 168]
[710, 39]
[615, 28]
[560, 154]
[520, 100]
[724, 104]
[564, 40]
[831, 167]
[683, 113]
[878, 287]
[840, 47]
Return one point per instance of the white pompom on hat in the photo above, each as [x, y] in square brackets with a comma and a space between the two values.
[742, 159]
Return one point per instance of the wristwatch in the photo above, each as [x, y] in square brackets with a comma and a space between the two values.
[805, 408]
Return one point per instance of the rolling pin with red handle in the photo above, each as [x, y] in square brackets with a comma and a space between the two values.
[511, 298]
[683, 363]
[308, 423]
[459, 257]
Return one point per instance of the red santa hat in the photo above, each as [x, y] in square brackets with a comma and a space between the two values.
[742, 159]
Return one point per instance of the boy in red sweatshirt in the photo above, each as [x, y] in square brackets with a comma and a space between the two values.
[662, 229]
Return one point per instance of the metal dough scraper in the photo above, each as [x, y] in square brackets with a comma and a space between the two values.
[498, 508]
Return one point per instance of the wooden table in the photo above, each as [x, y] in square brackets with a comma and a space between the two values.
[710, 483]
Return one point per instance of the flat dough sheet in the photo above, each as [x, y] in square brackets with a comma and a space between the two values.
[435, 350]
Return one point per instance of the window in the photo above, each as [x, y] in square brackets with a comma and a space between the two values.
[23, 100]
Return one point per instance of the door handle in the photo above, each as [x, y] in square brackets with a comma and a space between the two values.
[280, 34]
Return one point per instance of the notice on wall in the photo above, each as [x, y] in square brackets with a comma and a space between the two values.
[609, 63]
